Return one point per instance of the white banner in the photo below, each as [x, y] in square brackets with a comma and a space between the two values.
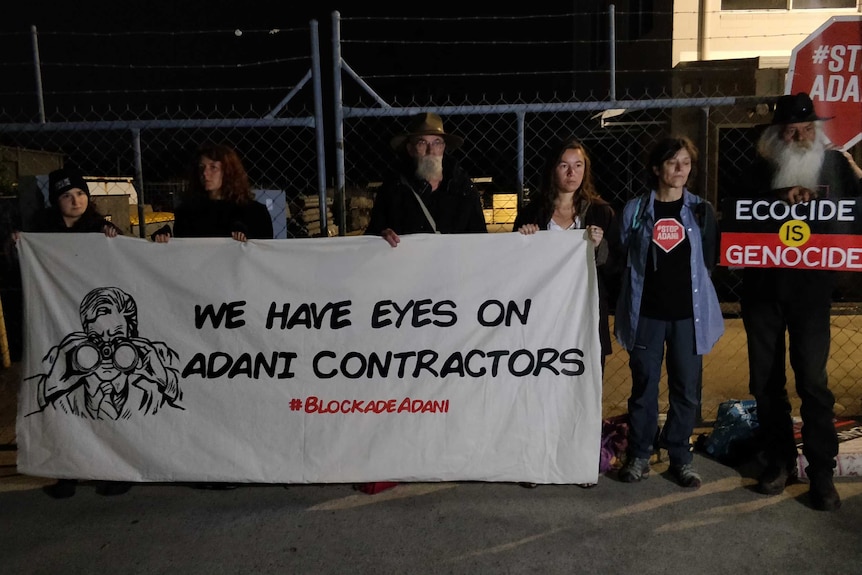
[462, 357]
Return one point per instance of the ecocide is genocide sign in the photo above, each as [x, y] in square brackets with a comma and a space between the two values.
[468, 357]
[820, 234]
[827, 66]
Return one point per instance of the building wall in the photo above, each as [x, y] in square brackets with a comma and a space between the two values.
[770, 35]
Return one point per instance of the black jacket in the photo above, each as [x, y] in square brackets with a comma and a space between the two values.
[205, 218]
[50, 220]
[797, 286]
[455, 205]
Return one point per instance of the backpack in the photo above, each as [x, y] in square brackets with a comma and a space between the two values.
[615, 431]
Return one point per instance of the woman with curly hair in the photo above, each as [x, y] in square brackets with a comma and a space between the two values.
[220, 202]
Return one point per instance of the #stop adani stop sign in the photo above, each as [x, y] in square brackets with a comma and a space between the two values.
[827, 66]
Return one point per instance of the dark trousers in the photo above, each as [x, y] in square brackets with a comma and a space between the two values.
[808, 327]
[684, 368]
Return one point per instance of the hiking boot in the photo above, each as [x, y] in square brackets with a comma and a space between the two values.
[686, 476]
[635, 469]
[775, 478]
[823, 495]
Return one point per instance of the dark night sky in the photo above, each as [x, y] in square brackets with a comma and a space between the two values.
[117, 17]
[105, 15]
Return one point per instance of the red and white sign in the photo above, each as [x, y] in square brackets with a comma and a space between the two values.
[827, 66]
[667, 234]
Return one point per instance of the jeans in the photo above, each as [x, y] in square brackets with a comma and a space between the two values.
[684, 368]
[808, 327]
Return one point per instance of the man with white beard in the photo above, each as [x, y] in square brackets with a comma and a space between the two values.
[795, 165]
[430, 192]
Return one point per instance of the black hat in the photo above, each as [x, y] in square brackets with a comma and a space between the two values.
[427, 124]
[795, 109]
[62, 180]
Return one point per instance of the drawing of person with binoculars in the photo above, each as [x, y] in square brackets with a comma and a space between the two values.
[107, 371]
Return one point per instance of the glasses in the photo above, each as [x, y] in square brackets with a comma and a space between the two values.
[423, 145]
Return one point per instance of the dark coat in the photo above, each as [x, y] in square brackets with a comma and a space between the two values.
[455, 205]
[600, 214]
[797, 286]
[205, 218]
[50, 220]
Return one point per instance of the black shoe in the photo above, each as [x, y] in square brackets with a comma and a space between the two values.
[111, 488]
[216, 486]
[63, 489]
[823, 495]
[527, 485]
[775, 478]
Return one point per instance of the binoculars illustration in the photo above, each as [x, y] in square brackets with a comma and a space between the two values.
[120, 353]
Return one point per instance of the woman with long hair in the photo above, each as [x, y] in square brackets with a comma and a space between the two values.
[220, 201]
[567, 200]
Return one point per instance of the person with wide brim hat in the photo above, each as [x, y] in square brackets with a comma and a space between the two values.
[426, 124]
[795, 164]
[795, 109]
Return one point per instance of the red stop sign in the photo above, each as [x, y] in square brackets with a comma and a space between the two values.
[667, 233]
[827, 66]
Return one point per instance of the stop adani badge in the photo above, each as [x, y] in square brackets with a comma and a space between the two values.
[827, 66]
[667, 234]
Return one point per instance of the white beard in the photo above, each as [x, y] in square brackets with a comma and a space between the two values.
[796, 163]
[429, 167]
[797, 166]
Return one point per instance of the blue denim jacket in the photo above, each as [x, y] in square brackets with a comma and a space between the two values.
[636, 225]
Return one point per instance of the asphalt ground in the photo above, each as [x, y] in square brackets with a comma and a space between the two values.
[649, 527]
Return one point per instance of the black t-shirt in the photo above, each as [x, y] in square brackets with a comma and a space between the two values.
[205, 218]
[667, 280]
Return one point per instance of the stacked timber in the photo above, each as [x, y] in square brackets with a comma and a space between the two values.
[310, 220]
[359, 204]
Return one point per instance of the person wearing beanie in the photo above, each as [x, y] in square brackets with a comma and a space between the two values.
[70, 209]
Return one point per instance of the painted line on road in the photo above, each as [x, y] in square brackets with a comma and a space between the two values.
[18, 482]
[720, 486]
[503, 547]
[401, 491]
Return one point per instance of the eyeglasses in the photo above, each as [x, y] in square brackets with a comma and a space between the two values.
[423, 145]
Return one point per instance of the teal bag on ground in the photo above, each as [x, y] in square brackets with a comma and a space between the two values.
[732, 437]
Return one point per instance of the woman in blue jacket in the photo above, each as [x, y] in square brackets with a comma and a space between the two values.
[666, 300]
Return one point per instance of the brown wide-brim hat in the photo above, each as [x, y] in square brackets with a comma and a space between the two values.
[426, 124]
[795, 109]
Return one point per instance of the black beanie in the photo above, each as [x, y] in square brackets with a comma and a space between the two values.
[62, 180]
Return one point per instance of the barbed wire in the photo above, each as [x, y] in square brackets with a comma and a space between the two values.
[471, 58]
[239, 65]
[169, 33]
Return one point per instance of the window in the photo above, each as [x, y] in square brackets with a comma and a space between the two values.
[786, 4]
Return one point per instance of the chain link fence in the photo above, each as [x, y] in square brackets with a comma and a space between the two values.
[505, 146]
[504, 150]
